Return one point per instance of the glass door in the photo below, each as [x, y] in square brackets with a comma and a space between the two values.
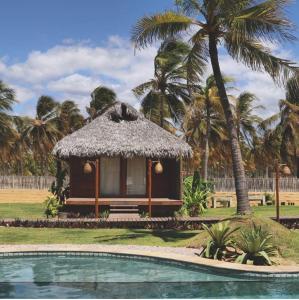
[136, 176]
[110, 176]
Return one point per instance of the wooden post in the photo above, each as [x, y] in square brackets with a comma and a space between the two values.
[149, 180]
[97, 188]
[277, 190]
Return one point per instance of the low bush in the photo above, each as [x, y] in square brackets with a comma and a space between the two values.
[52, 206]
[195, 197]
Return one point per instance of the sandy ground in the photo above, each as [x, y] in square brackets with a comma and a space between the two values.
[23, 195]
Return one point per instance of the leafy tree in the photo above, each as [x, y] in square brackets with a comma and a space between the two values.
[101, 97]
[164, 95]
[243, 28]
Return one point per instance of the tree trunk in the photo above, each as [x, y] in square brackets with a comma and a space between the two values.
[207, 137]
[238, 167]
[162, 110]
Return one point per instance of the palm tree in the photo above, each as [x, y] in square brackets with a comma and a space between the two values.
[101, 97]
[164, 95]
[41, 133]
[7, 133]
[243, 27]
[245, 119]
[45, 104]
[69, 118]
[289, 125]
[204, 121]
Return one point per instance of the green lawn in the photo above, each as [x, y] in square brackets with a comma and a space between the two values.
[18, 235]
[22, 210]
[35, 211]
[259, 211]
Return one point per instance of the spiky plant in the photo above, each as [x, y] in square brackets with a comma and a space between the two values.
[220, 238]
[257, 246]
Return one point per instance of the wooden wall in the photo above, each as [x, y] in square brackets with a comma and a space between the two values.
[81, 185]
[165, 185]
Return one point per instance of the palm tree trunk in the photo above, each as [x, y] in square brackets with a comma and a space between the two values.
[238, 167]
[207, 137]
[162, 110]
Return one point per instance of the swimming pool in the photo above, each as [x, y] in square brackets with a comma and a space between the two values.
[105, 275]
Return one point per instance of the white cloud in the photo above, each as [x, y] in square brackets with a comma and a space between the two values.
[74, 68]
[22, 94]
[74, 84]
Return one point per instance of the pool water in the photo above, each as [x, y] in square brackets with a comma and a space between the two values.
[114, 276]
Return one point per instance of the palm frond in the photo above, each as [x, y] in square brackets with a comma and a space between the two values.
[264, 20]
[159, 27]
[141, 89]
[259, 58]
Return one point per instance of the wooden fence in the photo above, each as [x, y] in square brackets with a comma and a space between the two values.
[287, 184]
[26, 182]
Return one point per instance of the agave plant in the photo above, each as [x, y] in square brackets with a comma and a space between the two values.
[257, 246]
[220, 239]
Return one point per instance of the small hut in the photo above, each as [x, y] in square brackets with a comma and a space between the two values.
[123, 160]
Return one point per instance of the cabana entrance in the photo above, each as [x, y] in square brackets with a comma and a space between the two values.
[122, 177]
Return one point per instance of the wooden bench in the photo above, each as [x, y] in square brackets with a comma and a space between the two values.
[260, 198]
[221, 199]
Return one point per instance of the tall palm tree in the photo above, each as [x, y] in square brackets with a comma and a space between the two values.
[243, 27]
[41, 133]
[204, 126]
[101, 97]
[7, 133]
[164, 95]
[289, 125]
[245, 118]
[69, 118]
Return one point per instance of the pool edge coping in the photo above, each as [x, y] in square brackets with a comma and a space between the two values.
[124, 249]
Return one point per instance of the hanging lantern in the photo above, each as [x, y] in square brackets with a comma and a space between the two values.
[158, 168]
[286, 170]
[87, 169]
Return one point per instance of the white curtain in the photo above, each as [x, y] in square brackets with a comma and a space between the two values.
[136, 176]
[110, 175]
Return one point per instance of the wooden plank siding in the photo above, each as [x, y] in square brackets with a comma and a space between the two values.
[164, 185]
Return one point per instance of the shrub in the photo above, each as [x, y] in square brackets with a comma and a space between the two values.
[257, 246]
[195, 197]
[52, 206]
[105, 214]
[220, 238]
[59, 187]
[269, 198]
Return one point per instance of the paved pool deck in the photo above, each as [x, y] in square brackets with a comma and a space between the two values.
[186, 255]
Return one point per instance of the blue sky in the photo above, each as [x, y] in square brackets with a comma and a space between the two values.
[65, 48]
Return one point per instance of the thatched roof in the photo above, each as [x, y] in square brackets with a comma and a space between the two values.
[121, 130]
